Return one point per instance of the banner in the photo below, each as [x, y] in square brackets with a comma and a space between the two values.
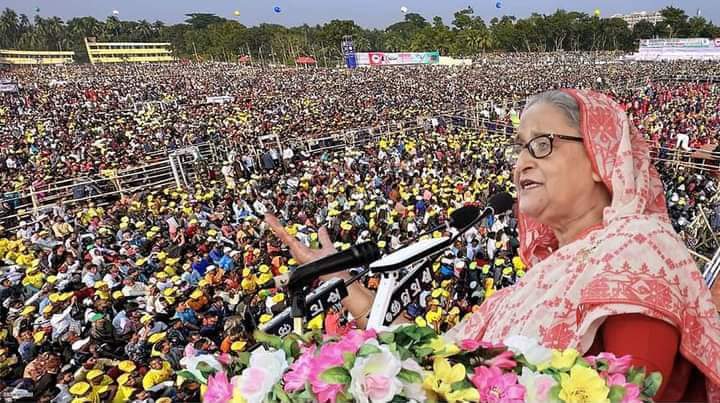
[678, 49]
[8, 86]
[395, 59]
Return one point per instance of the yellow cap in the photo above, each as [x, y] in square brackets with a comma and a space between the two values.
[92, 374]
[127, 366]
[264, 268]
[79, 388]
[100, 284]
[196, 294]
[265, 318]
[52, 279]
[122, 379]
[117, 294]
[48, 308]
[145, 319]
[278, 298]
[39, 337]
[54, 297]
[264, 278]
[238, 346]
[28, 310]
[156, 337]
[381, 244]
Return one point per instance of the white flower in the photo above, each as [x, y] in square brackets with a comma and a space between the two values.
[274, 362]
[374, 378]
[191, 364]
[413, 391]
[265, 370]
[534, 353]
[537, 386]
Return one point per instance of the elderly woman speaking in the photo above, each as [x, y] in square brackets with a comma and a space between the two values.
[607, 271]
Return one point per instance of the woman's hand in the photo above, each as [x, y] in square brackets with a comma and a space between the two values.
[299, 251]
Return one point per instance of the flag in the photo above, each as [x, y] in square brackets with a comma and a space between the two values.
[699, 12]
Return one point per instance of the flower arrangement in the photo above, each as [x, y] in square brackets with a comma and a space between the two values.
[415, 364]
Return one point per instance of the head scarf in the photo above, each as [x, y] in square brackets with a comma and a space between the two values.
[633, 263]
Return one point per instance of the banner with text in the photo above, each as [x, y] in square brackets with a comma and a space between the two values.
[394, 59]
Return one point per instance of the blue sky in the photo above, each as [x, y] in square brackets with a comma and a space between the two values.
[368, 13]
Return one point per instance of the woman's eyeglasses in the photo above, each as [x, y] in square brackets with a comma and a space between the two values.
[540, 146]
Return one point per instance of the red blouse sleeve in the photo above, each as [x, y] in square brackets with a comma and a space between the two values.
[652, 343]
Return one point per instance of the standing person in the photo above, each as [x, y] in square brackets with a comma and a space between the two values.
[607, 272]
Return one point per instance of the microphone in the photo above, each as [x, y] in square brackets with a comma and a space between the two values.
[357, 255]
[497, 204]
[459, 218]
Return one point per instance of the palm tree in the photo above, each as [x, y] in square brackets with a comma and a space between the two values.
[9, 28]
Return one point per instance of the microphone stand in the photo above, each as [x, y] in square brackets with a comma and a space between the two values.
[297, 310]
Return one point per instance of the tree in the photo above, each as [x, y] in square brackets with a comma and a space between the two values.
[677, 21]
[643, 30]
[202, 20]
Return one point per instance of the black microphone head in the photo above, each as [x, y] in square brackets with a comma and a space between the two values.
[366, 252]
[501, 202]
[464, 216]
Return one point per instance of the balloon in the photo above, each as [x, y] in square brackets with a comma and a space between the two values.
[498, 4]
[37, 9]
[277, 9]
[236, 13]
[404, 9]
[116, 12]
[597, 12]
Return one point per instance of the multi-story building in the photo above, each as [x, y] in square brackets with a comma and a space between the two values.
[119, 52]
[23, 57]
[635, 17]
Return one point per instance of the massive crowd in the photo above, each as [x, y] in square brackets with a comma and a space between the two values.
[110, 299]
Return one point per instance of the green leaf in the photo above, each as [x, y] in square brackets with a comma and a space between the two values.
[244, 358]
[291, 347]
[652, 384]
[422, 352]
[582, 362]
[368, 349]
[205, 369]
[617, 393]
[386, 337]
[336, 375]
[636, 376]
[269, 340]
[409, 376]
[188, 375]
[348, 360]
[399, 399]
[554, 393]
[280, 395]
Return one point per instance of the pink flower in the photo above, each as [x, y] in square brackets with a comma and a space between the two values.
[219, 388]
[616, 365]
[224, 358]
[503, 361]
[331, 355]
[472, 345]
[377, 386]
[632, 391]
[299, 371]
[496, 387]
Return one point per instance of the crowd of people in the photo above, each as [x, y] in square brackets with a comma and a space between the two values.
[111, 299]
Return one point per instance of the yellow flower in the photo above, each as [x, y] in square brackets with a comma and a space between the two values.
[443, 377]
[465, 395]
[583, 385]
[565, 359]
[441, 348]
